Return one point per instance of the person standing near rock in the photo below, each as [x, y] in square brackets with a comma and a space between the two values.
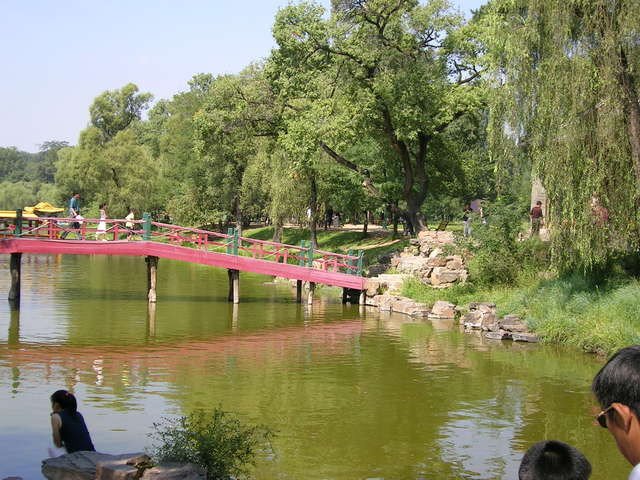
[536, 219]
[67, 424]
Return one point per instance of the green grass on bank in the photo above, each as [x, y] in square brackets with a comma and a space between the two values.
[375, 244]
[568, 311]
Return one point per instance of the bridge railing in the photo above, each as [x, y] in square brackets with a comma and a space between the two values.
[56, 228]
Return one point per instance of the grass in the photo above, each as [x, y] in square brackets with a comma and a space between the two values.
[568, 311]
[375, 244]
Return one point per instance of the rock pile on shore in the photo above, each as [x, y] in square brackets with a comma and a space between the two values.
[426, 260]
[482, 317]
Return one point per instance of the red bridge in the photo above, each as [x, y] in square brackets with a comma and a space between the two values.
[154, 240]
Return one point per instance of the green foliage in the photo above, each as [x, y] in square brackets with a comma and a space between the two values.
[17, 195]
[564, 104]
[115, 110]
[498, 254]
[219, 442]
[373, 74]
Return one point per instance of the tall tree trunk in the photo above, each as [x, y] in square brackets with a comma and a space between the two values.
[632, 113]
[393, 208]
[238, 210]
[313, 206]
[277, 230]
[365, 226]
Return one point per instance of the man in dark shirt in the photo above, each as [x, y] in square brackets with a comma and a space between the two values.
[536, 218]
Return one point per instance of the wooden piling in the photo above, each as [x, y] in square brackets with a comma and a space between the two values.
[151, 319]
[312, 287]
[234, 285]
[345, 295]
[152, 277]
[298, 291]
[14, 268]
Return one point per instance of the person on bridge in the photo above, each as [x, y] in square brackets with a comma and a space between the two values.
[74, 212]
[67, 424]
[101, 231]
[129, 224]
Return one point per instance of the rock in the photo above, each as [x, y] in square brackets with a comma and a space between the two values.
[525, 337]
[436, 262]
[512, 319]
[392, 281]
[441, 275]
[489, 322]
[122, 469]
[454, 262]
[414, 241]
[499, 335]
[443, 309]
[515, 327]
[435, 252]
[174, 472]
[420, 311]
[482, 306]
[79, 465]
[372, 287]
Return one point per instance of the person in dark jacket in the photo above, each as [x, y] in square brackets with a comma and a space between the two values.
[67, 424]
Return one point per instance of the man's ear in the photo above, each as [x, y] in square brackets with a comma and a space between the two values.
[623, 417]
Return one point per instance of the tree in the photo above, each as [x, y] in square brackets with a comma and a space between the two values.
[115, 110]
[392, 72]
[565, 76]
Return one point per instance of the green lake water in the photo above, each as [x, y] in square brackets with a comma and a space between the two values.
[352, 393]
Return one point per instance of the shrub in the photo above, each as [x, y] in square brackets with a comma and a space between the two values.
[218, 442]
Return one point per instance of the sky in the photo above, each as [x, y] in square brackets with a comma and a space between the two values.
[58, 55]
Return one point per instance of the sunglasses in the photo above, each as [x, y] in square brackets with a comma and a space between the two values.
[601, 418]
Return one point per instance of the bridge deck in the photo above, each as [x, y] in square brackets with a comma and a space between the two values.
[177, 252]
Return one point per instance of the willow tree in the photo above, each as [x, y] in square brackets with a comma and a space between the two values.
[377, 69]
[566, 96]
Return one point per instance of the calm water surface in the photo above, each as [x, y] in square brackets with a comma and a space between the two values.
[352, 394]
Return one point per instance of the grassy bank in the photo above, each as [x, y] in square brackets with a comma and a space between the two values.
[375, 244]
[569, 311]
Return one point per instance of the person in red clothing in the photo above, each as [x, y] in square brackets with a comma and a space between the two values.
[536, 218]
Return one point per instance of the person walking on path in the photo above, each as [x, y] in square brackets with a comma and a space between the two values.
[617, 388]
[466, 221]
[101, 231]
[67, 424]
[536, 219]
[74, 212]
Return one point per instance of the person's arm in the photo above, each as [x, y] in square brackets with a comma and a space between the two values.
[56, 425]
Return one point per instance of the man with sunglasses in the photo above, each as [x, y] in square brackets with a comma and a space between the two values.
[617, 388]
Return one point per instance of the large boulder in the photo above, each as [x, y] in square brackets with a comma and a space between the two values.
[444, 310]
[80, 465]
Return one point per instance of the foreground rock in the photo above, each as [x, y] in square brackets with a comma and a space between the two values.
[102, 466]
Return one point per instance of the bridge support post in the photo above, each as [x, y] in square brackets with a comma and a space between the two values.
[14, 268]
[363, 297]
[298, 291]
[345, 295]
[312, 287]
[152, 277]
[234, 285]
